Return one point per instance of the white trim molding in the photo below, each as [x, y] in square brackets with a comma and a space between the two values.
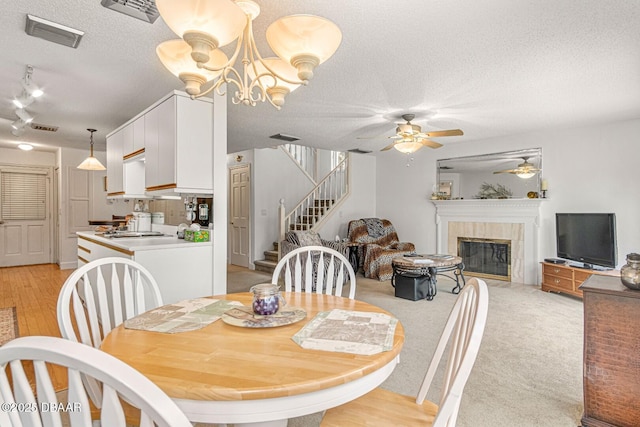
[507, 211]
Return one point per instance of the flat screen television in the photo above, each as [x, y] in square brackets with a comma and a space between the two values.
[588, 238]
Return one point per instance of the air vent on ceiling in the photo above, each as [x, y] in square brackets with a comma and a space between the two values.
[145, 10]
[38, 126]
[359, 151]
[445, 167]
[283, 137]
[53, 32]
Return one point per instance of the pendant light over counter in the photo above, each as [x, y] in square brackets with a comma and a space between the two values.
[91, 163]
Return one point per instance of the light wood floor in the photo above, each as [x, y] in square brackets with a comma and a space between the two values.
[34, 290]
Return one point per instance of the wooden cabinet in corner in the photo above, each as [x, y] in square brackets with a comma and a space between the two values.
[567, 279]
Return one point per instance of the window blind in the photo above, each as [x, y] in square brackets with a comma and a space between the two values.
[23, 196]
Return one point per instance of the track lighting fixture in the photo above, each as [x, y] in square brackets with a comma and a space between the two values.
[23, 100]
[18, 124]
[24, 115]
[30, 91]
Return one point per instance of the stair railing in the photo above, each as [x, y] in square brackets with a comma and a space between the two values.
[305, 157]
[333, 188]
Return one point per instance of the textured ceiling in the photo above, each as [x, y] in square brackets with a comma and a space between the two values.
[490, 68]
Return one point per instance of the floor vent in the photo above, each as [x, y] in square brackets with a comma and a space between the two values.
[46, 128]
[144, 10]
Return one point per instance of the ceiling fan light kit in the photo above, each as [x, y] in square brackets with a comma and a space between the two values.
[301, 42]
[525, 170]
[410, 137]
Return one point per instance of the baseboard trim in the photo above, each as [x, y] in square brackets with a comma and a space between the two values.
[70, 265]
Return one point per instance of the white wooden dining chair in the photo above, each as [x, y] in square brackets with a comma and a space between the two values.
[463, 333]
[100, 296]
[315, 269]
[21, 407]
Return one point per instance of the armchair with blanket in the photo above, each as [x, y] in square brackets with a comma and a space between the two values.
[379, 244]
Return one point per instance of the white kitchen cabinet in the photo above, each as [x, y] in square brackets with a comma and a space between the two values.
[115, 175]
[133, 141]
[182, 269]
[178, 146]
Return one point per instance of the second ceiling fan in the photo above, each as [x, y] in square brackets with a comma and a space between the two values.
[410, 138]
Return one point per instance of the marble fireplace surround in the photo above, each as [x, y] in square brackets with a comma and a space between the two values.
[517, 220]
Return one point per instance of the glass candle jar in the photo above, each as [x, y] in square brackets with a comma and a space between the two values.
[630, 272]
[266, 299]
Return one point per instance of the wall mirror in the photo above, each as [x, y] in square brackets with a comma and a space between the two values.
[507, 175]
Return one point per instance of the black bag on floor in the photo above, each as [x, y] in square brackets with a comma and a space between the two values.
[413, 285]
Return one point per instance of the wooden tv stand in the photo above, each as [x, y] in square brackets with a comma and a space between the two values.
[566, 279]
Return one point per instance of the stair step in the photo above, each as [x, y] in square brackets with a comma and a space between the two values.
[271, 256]
[323, 202]
[318, 210]
[307, 219]
[265, 265]
[299, 226]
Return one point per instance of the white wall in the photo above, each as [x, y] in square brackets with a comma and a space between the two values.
[589, 169]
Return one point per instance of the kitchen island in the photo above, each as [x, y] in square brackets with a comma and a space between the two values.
[182, 269]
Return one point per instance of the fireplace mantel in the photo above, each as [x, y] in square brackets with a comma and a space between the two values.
[502, 211]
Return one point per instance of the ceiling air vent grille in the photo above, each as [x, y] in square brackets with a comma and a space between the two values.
[145, 10]
[53, 32]
[283, 137]
[46, 128]
[359, 151]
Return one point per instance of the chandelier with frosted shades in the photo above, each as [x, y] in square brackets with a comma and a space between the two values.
[301, 42]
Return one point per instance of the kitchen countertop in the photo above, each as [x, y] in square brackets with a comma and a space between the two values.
[141, 243]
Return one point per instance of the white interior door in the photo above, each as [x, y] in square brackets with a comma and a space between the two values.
[240, 208]
[25, 216]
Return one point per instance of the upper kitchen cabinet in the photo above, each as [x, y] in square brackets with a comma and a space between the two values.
[133, 144]
[178, 146]
[115, 175]
[125, 168]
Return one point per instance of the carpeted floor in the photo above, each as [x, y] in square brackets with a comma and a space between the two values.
[8, 324]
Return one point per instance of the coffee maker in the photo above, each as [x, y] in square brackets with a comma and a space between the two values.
[198, 210]
[203, 213]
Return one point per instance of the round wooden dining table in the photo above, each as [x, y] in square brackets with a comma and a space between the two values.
[225, 374]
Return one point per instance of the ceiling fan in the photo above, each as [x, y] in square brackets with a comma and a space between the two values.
[524, 170]
[410, 138]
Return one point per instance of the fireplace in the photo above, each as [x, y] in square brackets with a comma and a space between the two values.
[515, 220]
[489, 258]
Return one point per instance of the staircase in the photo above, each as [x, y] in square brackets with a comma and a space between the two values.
[313, 215]
[315, 207]
[318, 204]
[268, 264]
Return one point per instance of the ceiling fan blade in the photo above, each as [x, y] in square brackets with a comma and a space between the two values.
[508, 171]
[389, 147]
[429, 143]
[438, 133]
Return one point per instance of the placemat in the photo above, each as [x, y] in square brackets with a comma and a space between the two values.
[356, 332]
[183, 316]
